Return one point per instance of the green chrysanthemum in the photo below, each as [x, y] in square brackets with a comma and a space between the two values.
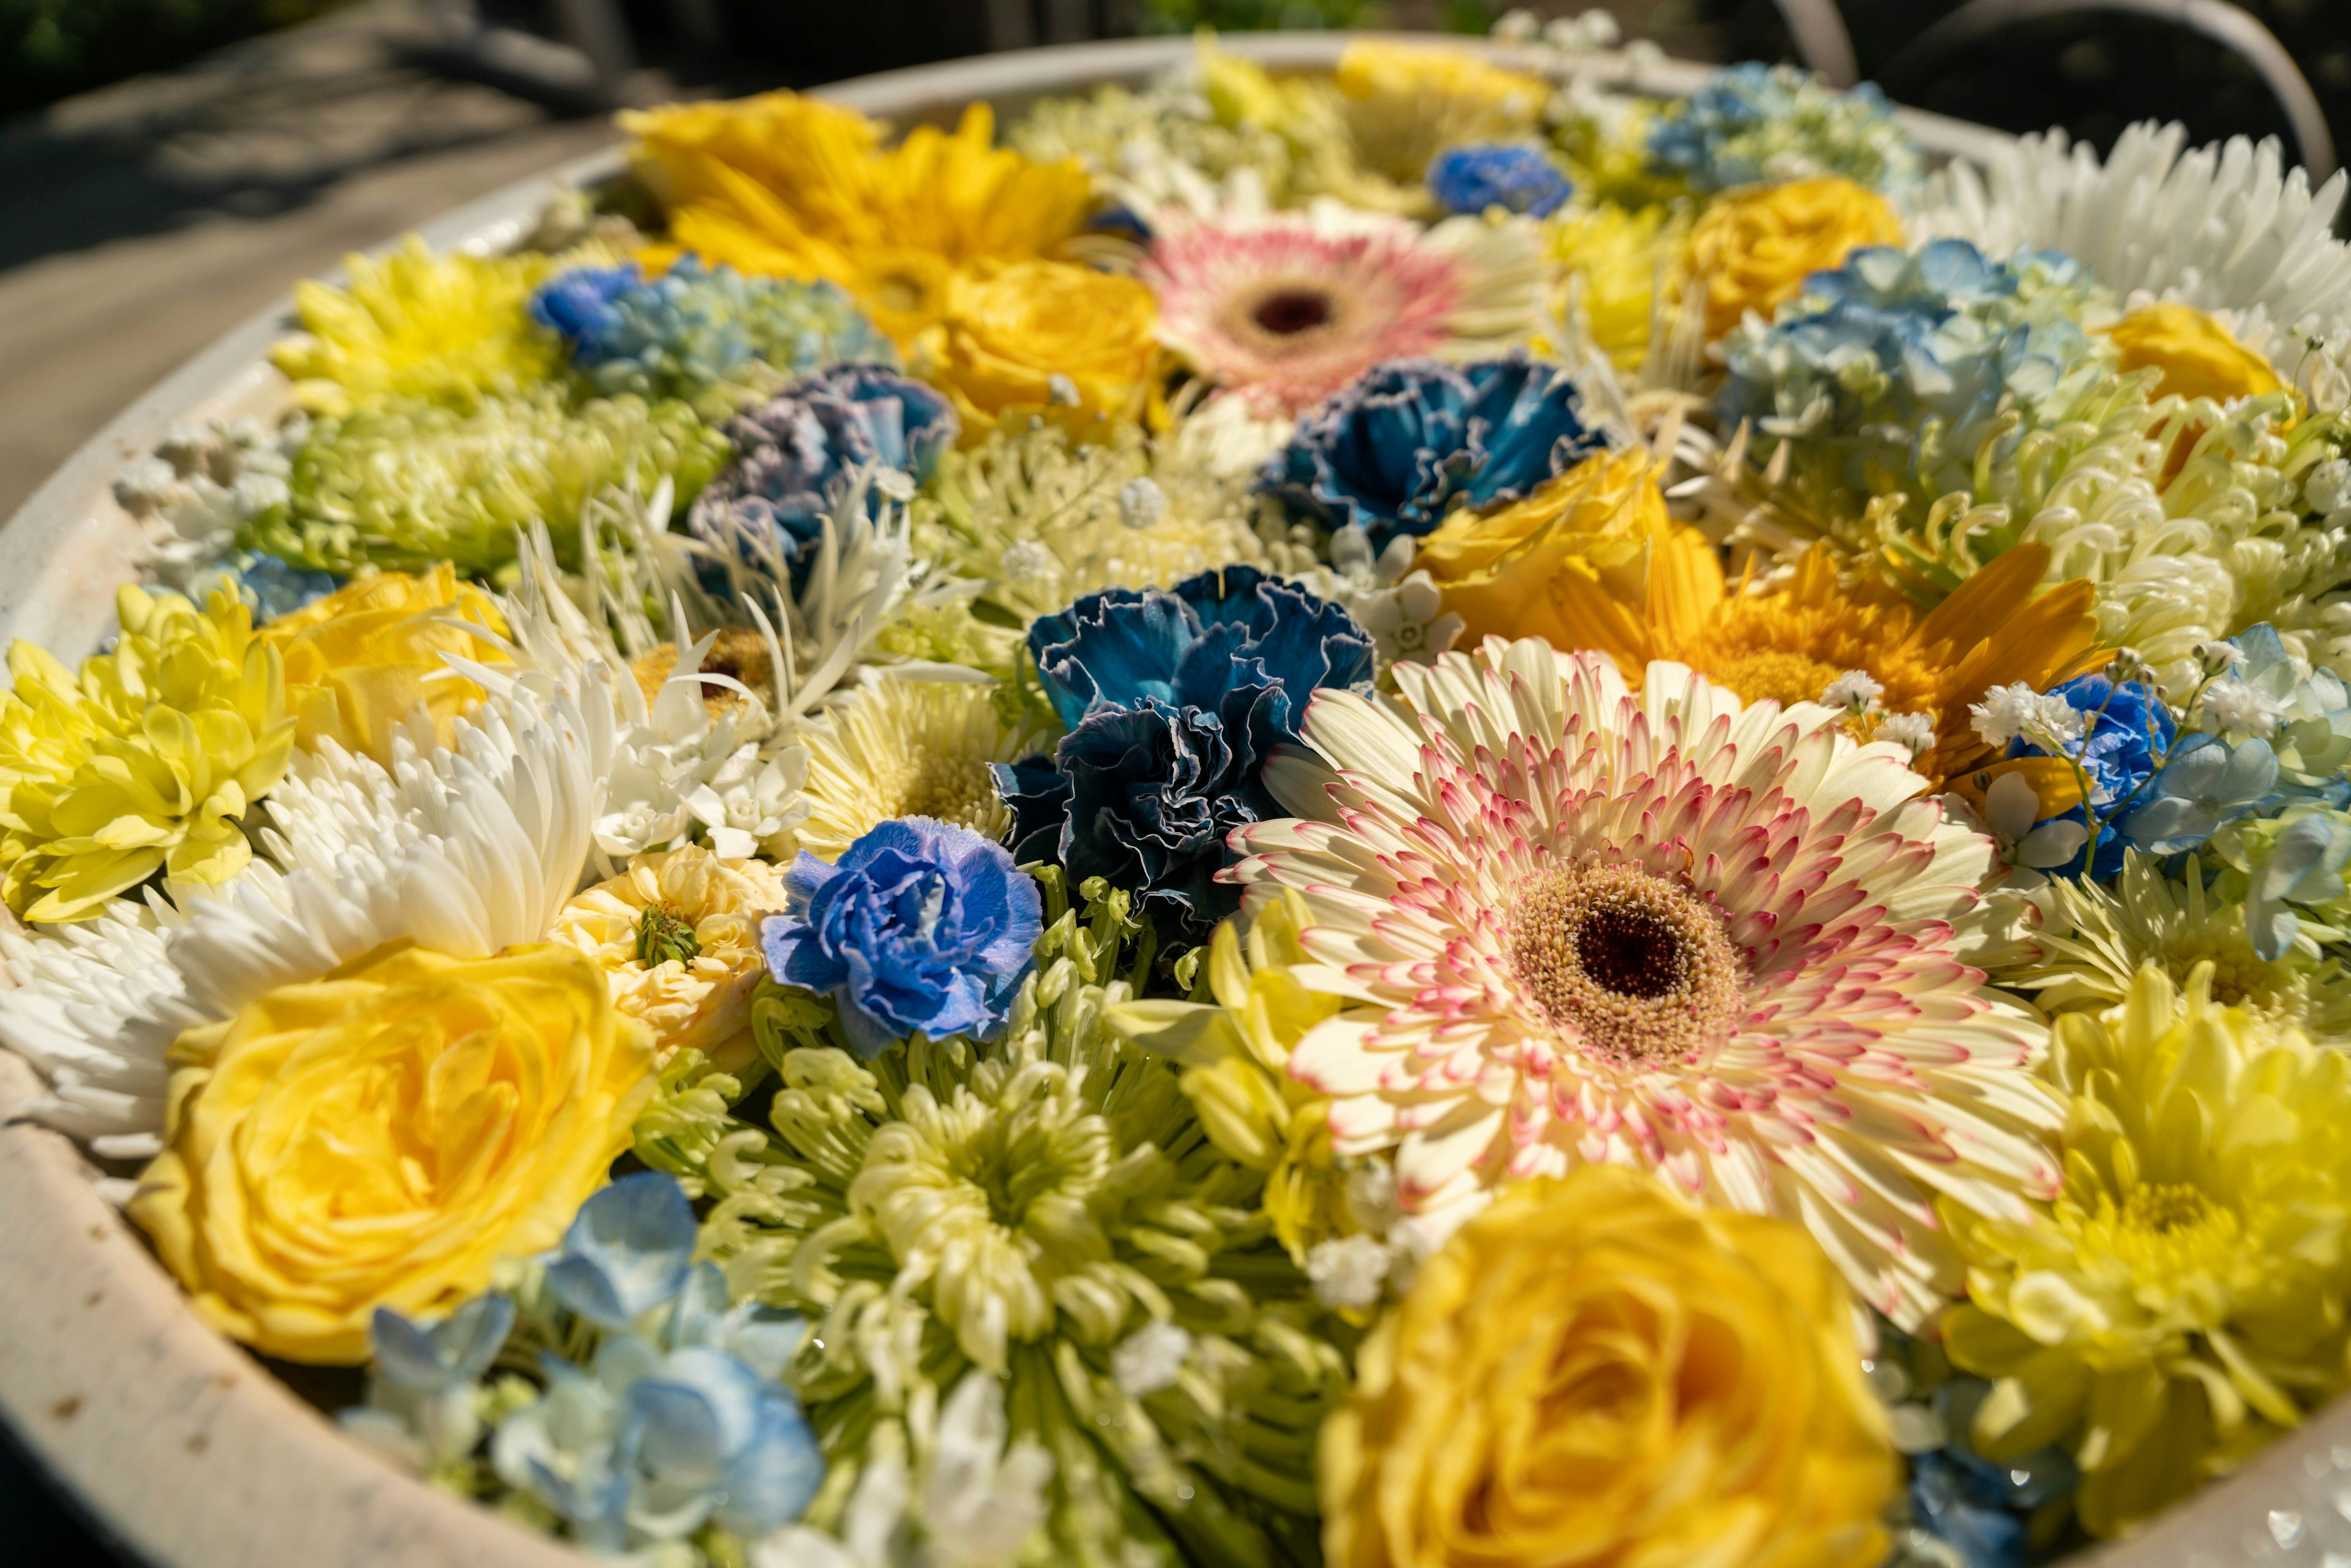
[409, 483]
[2094, 940]
[1050, 1209]
[2183, 1300]
[146, 760]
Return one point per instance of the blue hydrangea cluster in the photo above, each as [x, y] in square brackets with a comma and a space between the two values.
[1751, 123]
[1474, 177]
[1412, 439]
[922, 927]
[2127, 733]
[797, 454]
[695, 326]
[1173, 700]
[676, 1422]
[1888, 372]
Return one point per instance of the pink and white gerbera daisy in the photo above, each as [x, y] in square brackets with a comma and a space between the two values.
[1724, 942]
[1287, 308]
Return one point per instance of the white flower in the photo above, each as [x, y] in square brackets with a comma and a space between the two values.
[1141, 502]
[1854, 690]
[2011, 808]
[1915, 730]
[1150, 1359]
[2017, 709]
[1402, 609]
[1348, 1272]
[2327, 488]
[203, 484]
[2239, 707]
[1025, 558]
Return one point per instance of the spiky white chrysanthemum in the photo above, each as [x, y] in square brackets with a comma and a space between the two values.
[465, 848]
[2226, 227]
[1577, 924]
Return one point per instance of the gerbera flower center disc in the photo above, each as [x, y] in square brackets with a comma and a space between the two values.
[1292, 311]
[1637, 967]
[1281, 318]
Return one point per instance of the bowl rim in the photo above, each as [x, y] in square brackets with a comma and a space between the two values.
[176, 1442]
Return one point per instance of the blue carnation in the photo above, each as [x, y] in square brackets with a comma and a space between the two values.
[1469, 179]
[797, 454]
[2127, 731]
[695, 326]
[1412, 439]
[1173, 700]
[921, 928]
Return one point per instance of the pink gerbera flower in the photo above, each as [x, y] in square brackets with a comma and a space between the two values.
[1287, 307]
[1728, 945]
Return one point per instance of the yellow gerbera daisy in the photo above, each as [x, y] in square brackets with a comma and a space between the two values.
[907, 749]
[791, 187]
[1406, 103]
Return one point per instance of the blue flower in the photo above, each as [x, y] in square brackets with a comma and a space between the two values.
[627, 1252]
[1411, 439]
[450, 1354]
[1981, 1510]
[797, 454]
[269, 586]
[2127, 731]
[2311, 737]
[1753, 122]
[921, 928]
[2205, 784]
[1173, 700]
[695, 326]
[1471, 178]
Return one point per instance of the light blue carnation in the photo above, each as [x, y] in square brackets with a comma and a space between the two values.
[1470, 179]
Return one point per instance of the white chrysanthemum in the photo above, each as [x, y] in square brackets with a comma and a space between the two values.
[466, 850]
[907, 749]
[1576, 924]
[2227, 227]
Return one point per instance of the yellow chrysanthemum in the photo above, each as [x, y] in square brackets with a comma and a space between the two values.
[1405, 103]
[1043, 336]
[1623, 264]
[1752, 249]
[1590, 561]
[2182, 1300]
[907, 749]
[1235, 1062]
[2198, 356]
[359, 660]
[792, 187]
[1595, 1374]
[145, 761]
[678, 934]
[452, 329]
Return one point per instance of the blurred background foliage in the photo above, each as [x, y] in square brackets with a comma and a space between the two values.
[51, 49]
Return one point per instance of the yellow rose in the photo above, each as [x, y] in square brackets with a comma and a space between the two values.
[1753, 248]
[383, 1136]
[678, 934]
[1574, 563]
[359, 660]
[1076, 345]
[1593, 1371]
[2195, 354]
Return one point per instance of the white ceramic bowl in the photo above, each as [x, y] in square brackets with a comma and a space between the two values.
[196, 1457]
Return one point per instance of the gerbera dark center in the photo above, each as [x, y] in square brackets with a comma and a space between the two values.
[1292, 311]
[1635, 967]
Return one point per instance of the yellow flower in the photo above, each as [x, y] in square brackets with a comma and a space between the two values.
[1044, 337]
[1590, 561]
[2195, 354]
[1623, 263]
[1593, 1373]
[452, 330]
[1753, 248]
[1405, 103]
[1235, 1062]
[794, 187]
[677, 934]
[2183, 1299]
[359, 660]
[383, 1136]
[145, 761]
[908, 748]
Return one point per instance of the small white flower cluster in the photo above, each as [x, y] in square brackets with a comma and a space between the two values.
[2043, 718]
[203, 484]
[1402, 609]
[1353, 1273]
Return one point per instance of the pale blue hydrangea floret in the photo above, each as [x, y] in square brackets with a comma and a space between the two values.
[695, 326]
[1753, 122]
[922, 927]
[678, 1421]
[2307, 717]
[1471, 178]
[421, 1400]
[268, 585]
[1889, 371]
